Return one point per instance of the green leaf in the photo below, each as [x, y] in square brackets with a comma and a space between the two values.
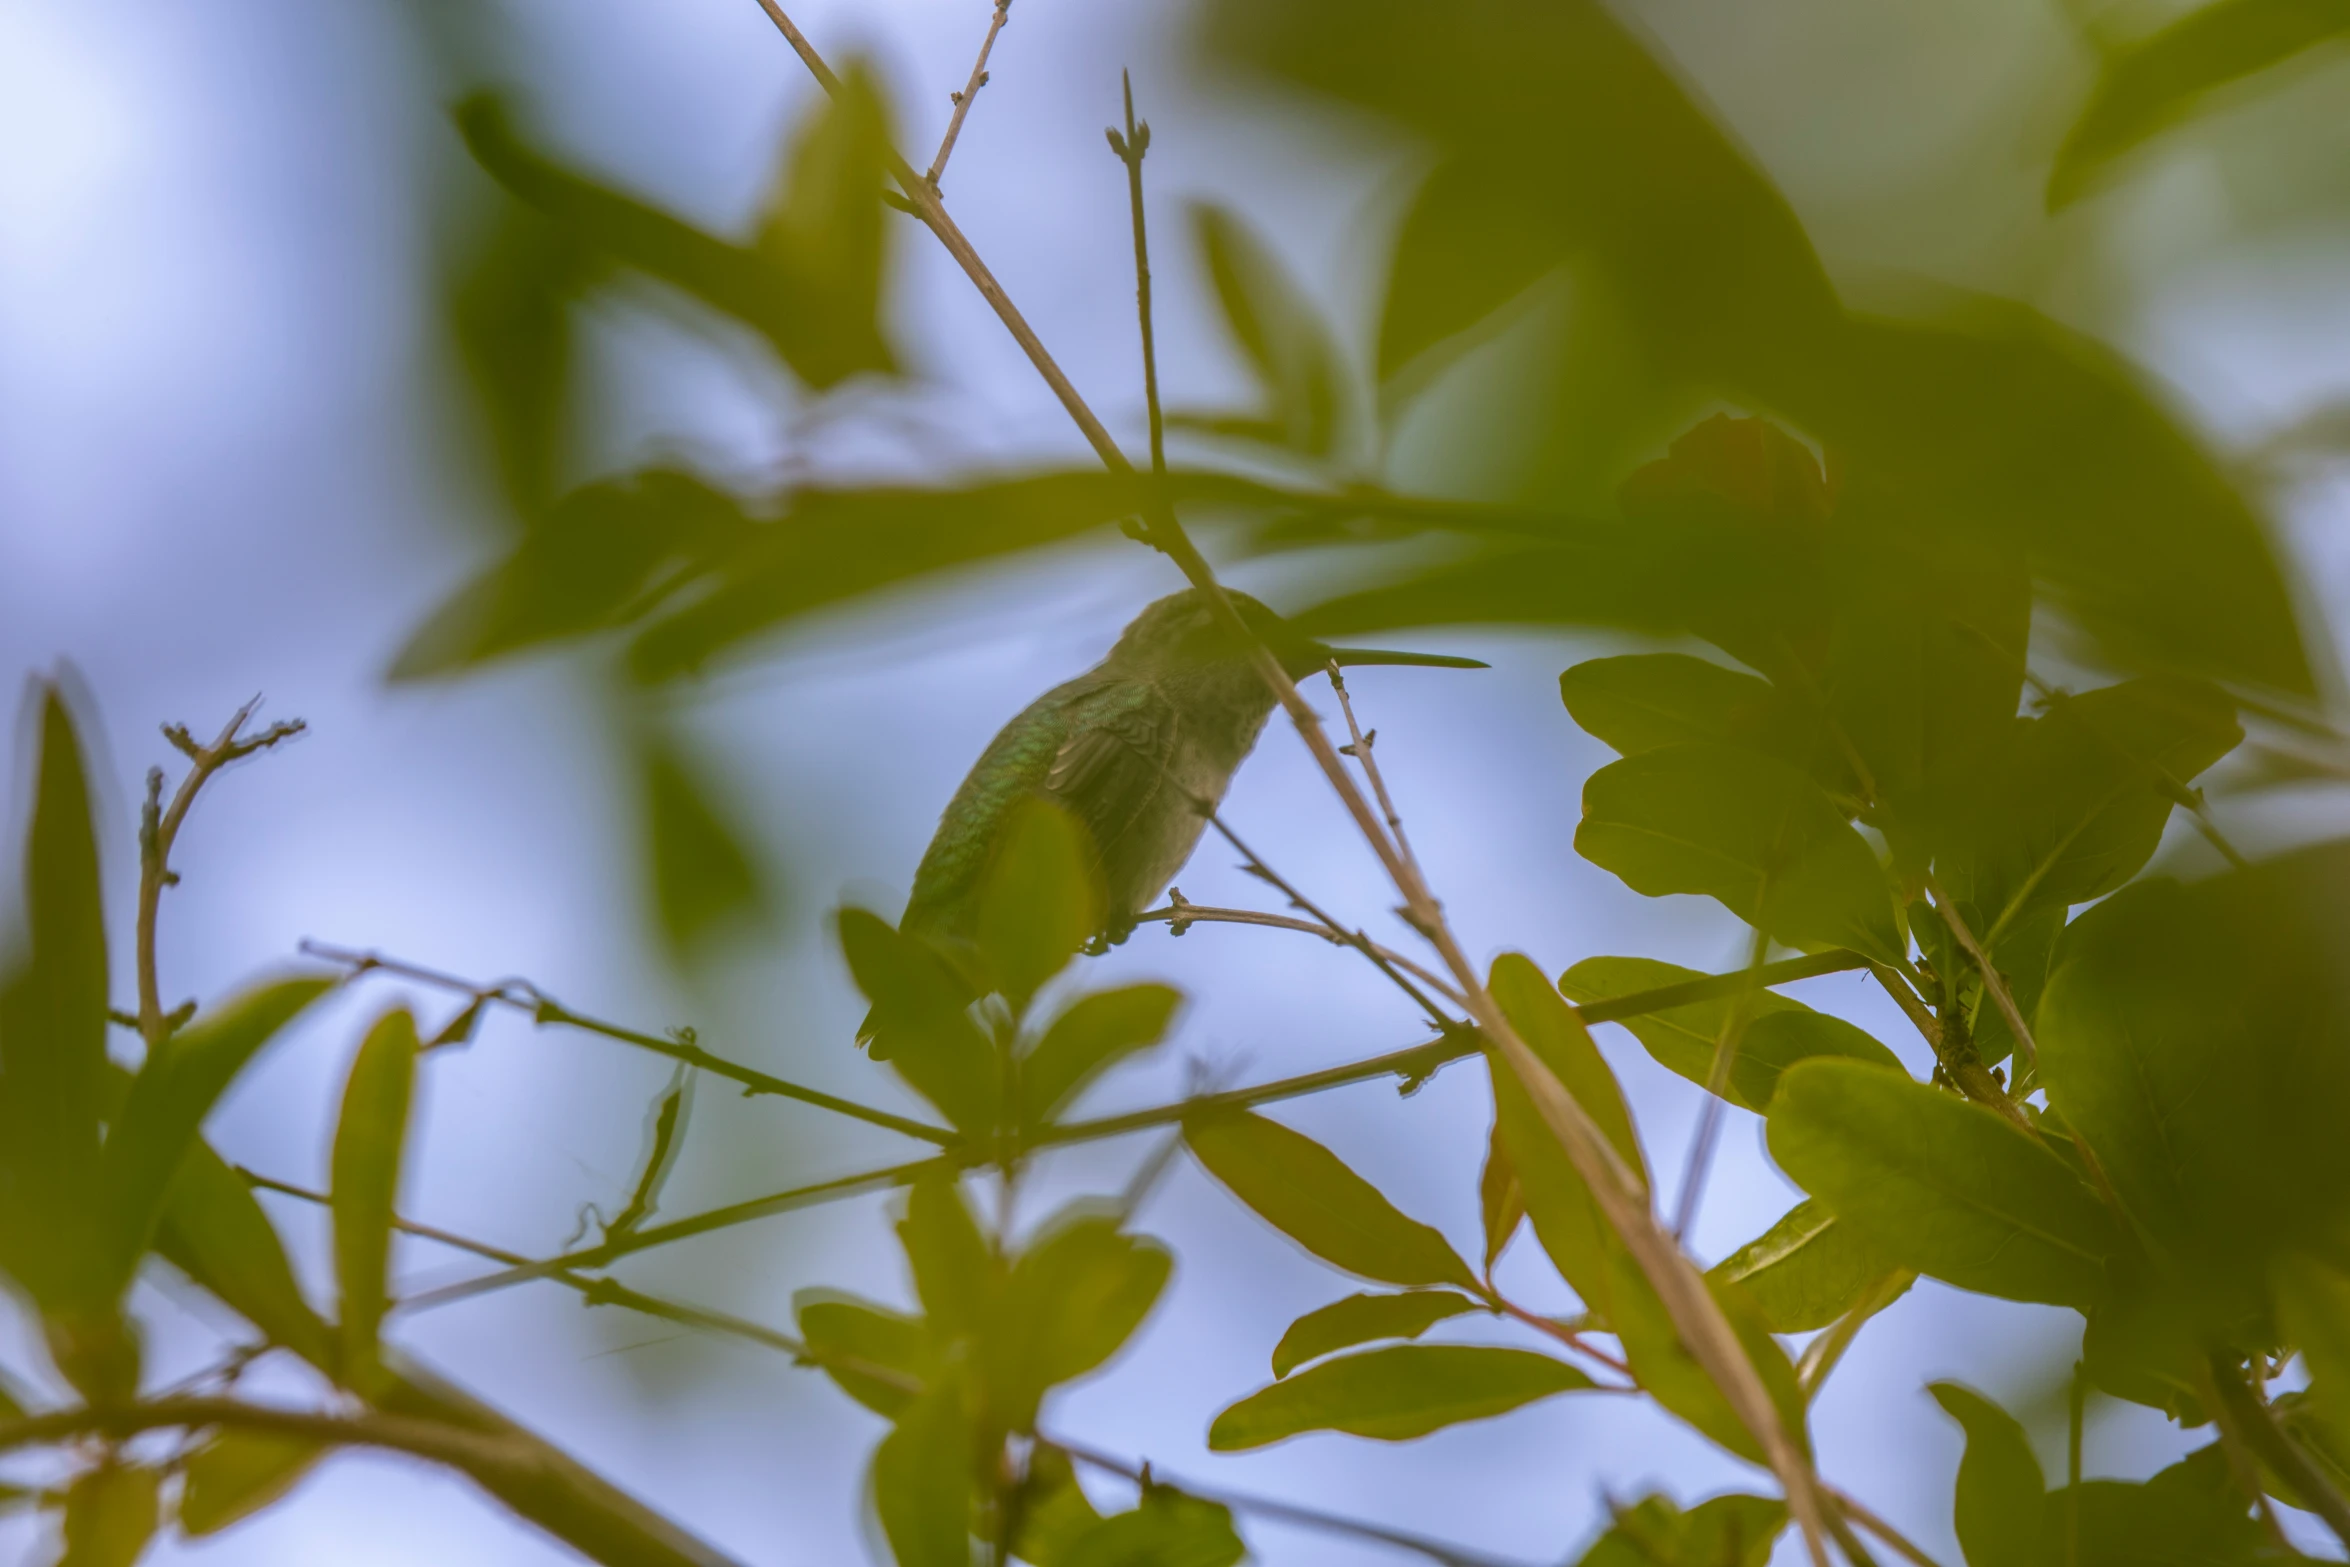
[1805, 1271]
[369, 1141]
[922, 1482]
[1278, 331]
[1748, 830]
[53, 1047]
[1469, 244]
[1303, 1190]
[1167, 1529]
[2080, 804]
[1941, 1185]
[706, 878]
[1094, 1033]
[2001, 1493]
[919, 1023]
[1039, 902]
[1722, 1531]
[110, 1515]
[818, 318]
[508, 307]
[170, 1098]
[1566, 1219]
[214, 1231]
[2196, 1037]
[1359, 1319]
[2313, 1307]
[1076, 1295]
[850, 1339]
[2193, 1514]
[1054, 1512]
[2163, 80]
[1501, 1198]
[826, 227]
[957, 1274]
[1779, 1032]
[237, 1474]
[1640, 702]
[1394, 1394]
[1664, 1367]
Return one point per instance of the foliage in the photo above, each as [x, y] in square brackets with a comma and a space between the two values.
[1846, 606]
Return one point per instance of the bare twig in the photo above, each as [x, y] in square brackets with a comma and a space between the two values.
[1564, 1335]
[1360, 748]
[963, 100]
[159, 828]
[1717, 1081]
[1180, 914]
[544, 1010]
[1903, 1547]
[1821, 1355]
[468, 1450]
[1130, 149]
[2027, 1051]
[1257, 866]
[1284, 1512]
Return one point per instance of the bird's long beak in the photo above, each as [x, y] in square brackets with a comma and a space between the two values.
[1346, 657]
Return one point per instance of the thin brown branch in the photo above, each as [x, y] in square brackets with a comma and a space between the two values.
[964, 99]
[468, 1450]
[1284, 1512]
[1717, 1081]
[1180, 913]
[1821, 1355]
[159, 829]
[1962, 1067]
[545, 1010]
[1563, 1334]
[1902, 1545]
[1130, 149]
[2026, 1048]
[1360, 747]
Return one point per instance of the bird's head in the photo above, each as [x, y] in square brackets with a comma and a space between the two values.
[1187, 630]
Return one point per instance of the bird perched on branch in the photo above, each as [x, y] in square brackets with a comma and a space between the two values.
[1139, 749]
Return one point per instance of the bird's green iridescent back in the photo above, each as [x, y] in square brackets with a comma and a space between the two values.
[1013, 767]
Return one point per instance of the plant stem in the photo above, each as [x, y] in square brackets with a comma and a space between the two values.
[1902, 1545]
[969, 94]
[1179, 913]
[1717, 1078]
[2275, 1446]
[2027, 1050]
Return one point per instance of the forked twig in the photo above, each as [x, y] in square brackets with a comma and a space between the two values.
[1360, 748]
[963, 100]
[2027, 1051]
[1180, 913]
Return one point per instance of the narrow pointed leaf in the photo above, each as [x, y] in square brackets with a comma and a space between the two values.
[1095, 1033]
[706, 875]
[1805, 1271]
[1278, 331]
[1941, 1185]
[1394, 1394]
[370, 1140]
[957, 1274]
[215, 1232]
[922, 1482]
[919, 1023]
[2001, 1492]
[110, 1515]
[1501, 1197]
[1745, 829]
[237, 1474]
[1360, 1319]
[170, 1098]
[1666, 1370]
[1039, 903]
[1303, 1190]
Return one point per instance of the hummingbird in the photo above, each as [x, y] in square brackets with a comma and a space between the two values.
[1139, 749]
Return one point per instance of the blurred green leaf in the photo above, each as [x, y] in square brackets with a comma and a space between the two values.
[706, 878]
[2194, 1036]
[1054, 1512]
[369, 1141]
[2191, 1513]
[2079, 804]
[808, 287]
[1303, 1190]
[1555, 1034]
[1166, 1529]
[1075, 1296]
[957, 1274]
[847, 1338]
[1394, 1394]
[237, 1474]
[2313, 1308]
[1501, 1197]
[1805, 1271]
[1747, 830]
[215, 1232]
[1779, 1031]
[1469, 244]
[1942, 1185]
[1359, 1319]
[1722, 1531]
[1092, 1034]
[922, 1482]
[1040, 901]
[2163, 80]
[1306, 381]
[2001, 1494]
[1666, 1370]
[919, 1024]
[600, 558]
[509, 311]
[168, 1101]
[110, 1515]
[53, 1049]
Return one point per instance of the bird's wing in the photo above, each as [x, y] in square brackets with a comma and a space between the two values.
[1111, 770]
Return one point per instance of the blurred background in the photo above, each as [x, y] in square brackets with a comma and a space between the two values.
[243, 448]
